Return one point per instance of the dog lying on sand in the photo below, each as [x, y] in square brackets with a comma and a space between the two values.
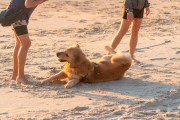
[79, 69]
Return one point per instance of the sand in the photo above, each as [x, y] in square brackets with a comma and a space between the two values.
[150, 90]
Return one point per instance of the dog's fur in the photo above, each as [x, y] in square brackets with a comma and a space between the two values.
[79, 68]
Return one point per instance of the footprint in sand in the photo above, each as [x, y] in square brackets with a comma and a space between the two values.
[67, 31]
[97, 55]
[43, 67]
[83, 21]
[5, 113]
[143, 113]
[80, 108]
[146, 76]
[154, 59]
[119, 112]
[140, 50]
[174, 59]
[168, 64]
[82, 30]
[178, 52]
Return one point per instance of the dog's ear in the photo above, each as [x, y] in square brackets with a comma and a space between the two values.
[78, 46]
[77, 59]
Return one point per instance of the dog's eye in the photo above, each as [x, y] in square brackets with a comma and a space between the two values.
[67, 55]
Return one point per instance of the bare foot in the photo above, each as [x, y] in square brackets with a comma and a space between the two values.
[23, 81]
[13, 78]
[136, 61]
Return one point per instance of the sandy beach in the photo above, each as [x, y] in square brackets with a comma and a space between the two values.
[149, 91]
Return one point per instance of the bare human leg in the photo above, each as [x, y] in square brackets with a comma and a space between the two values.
[122, 31]
[134, 38]
[25, 43]
[15, 58]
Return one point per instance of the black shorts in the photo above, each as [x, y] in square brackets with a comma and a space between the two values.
[21, 30]
[137, 13]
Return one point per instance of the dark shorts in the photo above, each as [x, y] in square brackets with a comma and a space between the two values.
[20, 30]
[137, 13]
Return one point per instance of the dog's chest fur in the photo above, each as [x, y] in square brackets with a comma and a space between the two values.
[78, 72]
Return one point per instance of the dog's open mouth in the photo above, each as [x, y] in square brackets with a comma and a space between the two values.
[62, 60]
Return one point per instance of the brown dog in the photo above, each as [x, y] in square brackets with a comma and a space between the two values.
[79, 68]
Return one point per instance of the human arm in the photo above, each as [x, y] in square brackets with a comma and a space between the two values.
[147, 11]
[147, 4]
[129, 9]
[33, 3]
[128, 5]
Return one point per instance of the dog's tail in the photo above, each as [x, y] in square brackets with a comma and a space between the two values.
[119, 57]
[122, 58]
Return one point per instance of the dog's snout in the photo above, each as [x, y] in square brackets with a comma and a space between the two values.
[58, 53]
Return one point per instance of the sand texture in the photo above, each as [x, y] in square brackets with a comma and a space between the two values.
[149, 91]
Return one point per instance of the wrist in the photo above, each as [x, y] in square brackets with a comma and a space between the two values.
[39, 1]
[147, 8]
[147, 5]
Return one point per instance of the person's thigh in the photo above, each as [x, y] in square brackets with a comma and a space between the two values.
[136, 25]
[22, 34]
[124, 26]
[17, 39]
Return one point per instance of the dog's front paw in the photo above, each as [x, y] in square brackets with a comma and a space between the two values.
[69, 85]
[44, 82]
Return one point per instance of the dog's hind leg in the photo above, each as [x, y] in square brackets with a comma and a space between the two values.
[121, 58]
[110, 50]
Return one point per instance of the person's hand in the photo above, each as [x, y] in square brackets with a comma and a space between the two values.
[147, 11]
[40, 1]
[44, 1]
[130, 16]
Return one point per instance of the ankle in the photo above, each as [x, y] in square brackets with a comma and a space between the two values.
[20, 77]
[13, 78]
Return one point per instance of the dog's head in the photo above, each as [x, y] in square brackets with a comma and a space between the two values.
[73, 55]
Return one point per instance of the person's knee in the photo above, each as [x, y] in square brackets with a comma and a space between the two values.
[135, 32]
[26, 44]
[18, 45]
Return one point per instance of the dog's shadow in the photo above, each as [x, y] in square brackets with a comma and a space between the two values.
[126, 91]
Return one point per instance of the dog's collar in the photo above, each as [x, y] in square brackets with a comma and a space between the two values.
[94, 65]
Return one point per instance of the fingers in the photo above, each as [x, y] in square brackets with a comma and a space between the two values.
[147, 11]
